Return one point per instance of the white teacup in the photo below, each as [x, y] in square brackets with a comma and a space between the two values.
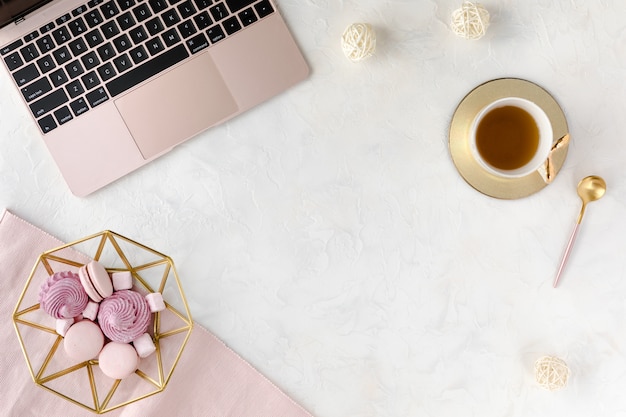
[544, 144]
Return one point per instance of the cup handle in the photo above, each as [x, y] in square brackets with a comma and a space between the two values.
[547, 170]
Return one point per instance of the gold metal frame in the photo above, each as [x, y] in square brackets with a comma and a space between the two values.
[152, 271]
[468, 167]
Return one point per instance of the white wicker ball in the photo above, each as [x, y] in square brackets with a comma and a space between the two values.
[358, 41]
[551, 373]
[470, 21]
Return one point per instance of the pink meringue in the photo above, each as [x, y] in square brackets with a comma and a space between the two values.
[62, 295]
[124, 316]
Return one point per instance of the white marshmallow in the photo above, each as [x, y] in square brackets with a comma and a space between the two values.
[91, 311]
[144, 345]
[155, 301]
[63, 325]
[122, 280]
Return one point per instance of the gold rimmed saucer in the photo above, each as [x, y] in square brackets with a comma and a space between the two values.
[483, 181]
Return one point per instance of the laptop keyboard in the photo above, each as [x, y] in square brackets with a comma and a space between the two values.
[104, 48]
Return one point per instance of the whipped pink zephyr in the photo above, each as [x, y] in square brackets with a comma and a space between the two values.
[62, 295]
[124, 316]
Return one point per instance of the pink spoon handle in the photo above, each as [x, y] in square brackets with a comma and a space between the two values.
[570, 243]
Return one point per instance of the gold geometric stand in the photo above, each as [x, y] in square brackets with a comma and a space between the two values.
[83, 383]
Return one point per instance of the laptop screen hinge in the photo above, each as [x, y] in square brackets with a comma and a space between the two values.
[19, 20]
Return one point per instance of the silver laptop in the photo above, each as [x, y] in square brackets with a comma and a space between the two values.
[113, 84]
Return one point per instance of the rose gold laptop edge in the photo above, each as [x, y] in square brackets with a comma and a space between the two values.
[206, 89]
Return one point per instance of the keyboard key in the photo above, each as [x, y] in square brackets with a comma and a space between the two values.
[97, 97]
[78, 47]
[148, 69]
[236, 5]
[122, 43]
[109, 10]
[138, 35]
[90, 80]
[94, 38]
[122, 63]
[61, 35]
[31, 36]
[46, 64]
[74, 69]
[170, 37]
[110, 29]
[48, 103]
[61, 55]
[63, 115]
[79, 10]
[94, 3]
[63, 19]
[126, 21]
[186, 9]
[58, 77]
[77, 26]
[218, 12]
[154, 46]
[231, 25]
[202, 20]
[158, 5]
[26, 75]
[79, 106]
[203, 4]
[14, 61]
[247, 17]
[263, 8]
[215, 34]
[11, 47]
[170, 18]
[106, 71]
[93, 18]
[47, 123]
[125, 4]
[75, 89]
[90, 60]
[138, 54]
[197, 43]
[154, 26]
[173, 2]
[186, 29]
[36, 89]
[45, 44]
[142, 12]
[47, 28]
[29, 52]
[106, 52]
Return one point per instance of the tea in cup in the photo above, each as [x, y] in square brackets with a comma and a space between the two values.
[511, 137]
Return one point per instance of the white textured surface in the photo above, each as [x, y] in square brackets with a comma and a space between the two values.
[327, 237]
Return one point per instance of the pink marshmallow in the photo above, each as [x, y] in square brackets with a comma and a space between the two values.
[155, 301]
[122, 280]
[63, 325]
[144, 345]
[91, 311]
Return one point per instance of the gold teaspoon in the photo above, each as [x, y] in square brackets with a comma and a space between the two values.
[589, 189]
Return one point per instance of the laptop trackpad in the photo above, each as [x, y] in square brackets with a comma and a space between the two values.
[176, 106]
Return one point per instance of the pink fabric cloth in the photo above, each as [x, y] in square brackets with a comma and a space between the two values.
[209, 381]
